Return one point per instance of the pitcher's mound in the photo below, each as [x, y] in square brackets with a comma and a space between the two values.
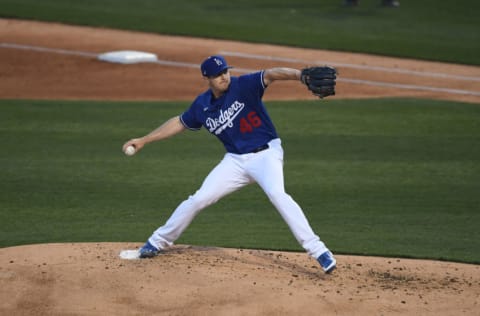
[91, 279]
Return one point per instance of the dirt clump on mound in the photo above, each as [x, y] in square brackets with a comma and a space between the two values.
[91, 279]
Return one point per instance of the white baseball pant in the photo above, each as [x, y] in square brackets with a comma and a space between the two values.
[232, 173]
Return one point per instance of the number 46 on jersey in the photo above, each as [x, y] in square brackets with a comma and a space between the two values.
[248, 123]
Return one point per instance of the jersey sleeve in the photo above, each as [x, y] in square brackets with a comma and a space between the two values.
[254, 82]
[189, 118]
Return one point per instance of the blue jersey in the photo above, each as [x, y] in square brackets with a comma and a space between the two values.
[238, 118]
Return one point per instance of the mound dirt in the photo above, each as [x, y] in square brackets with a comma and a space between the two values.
[91, 279]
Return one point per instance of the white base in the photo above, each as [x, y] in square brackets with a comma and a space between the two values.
[130, 254]
[128, 57]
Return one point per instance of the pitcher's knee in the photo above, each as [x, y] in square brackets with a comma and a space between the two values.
[277, 195]
[201, 201]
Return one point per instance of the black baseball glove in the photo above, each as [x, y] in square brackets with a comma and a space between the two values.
[320, 80]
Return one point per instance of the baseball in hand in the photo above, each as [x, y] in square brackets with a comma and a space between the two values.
[130, 150]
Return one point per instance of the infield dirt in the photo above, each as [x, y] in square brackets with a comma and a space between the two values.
[54, 61]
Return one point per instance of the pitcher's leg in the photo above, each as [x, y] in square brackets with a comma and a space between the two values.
[297, 222]
[267, 171]
[225, 178]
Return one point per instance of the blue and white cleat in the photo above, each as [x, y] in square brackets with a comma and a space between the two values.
[327, 261]
[148, 251]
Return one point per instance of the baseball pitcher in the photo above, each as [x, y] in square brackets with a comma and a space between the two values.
[233, 111]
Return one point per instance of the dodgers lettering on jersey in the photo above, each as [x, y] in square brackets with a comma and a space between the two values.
[225, 119]
[238, 118]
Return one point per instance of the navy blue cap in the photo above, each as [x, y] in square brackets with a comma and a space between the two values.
[213, 65]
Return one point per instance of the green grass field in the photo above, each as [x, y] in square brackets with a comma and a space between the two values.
[393, 177]
[428, 29]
